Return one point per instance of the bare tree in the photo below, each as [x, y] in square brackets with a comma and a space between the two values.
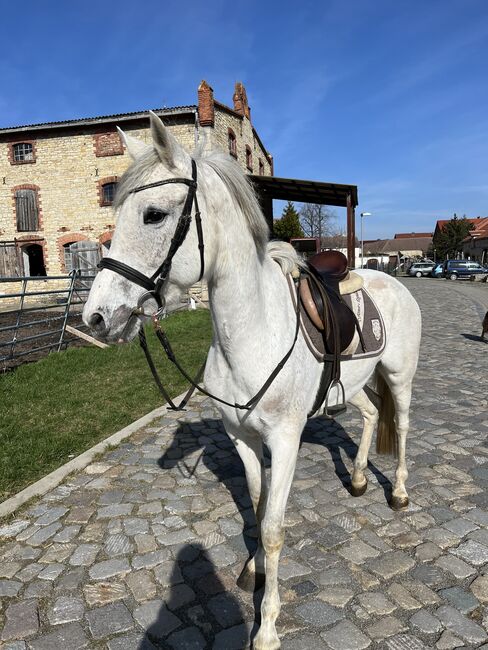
[317, 220]
[337, 238]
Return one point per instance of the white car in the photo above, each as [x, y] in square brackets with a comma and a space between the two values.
[420, 269]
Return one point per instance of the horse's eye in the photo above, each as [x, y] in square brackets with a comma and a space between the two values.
[152, 215]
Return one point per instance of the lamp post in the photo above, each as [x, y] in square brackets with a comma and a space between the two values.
[363, 214]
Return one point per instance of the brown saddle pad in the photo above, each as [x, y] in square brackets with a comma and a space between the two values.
[369, 319]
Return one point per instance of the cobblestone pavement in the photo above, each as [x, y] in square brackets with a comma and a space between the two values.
[142, 549]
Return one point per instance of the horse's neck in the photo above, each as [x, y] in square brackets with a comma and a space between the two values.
[241, 288]
[237, 294]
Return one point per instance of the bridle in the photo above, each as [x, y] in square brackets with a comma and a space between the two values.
[155, 283]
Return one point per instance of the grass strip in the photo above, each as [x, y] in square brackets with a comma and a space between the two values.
[58, 407]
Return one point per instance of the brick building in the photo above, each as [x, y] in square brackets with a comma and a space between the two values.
[57, 180]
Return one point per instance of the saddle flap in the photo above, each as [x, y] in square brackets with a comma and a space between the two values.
[319, 312]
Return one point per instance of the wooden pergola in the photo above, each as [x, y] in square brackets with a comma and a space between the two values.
[293, 189]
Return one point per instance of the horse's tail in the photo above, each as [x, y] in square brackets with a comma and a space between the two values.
[386, 439]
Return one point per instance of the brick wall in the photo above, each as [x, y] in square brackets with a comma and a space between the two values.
[242, 127]
[71, 164]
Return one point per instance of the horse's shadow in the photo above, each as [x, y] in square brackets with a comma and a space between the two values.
[339, 443]
[208, 443]
[222, 459]
[230, 471]
[473, 337]
[198, 610]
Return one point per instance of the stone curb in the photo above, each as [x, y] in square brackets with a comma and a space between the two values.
[53, 479]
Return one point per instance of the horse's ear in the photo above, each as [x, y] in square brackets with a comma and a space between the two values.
[134, 146]
[163, 142]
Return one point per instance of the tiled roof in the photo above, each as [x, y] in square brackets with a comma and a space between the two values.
[387, 246]
[412, 235]
[478, 222]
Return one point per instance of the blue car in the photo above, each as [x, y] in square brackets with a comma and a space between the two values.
[438, 270]
[456, 269]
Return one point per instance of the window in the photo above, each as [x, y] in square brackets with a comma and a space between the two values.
[26, 210]
[232, 143]
[261, 167]
[23, 152]
[248, 158]
[108, 193]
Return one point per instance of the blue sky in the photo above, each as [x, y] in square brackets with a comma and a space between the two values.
[390, 96]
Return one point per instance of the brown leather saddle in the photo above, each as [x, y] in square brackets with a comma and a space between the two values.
[321, 299]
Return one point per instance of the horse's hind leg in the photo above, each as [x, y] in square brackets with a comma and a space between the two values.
[397, 391]
[402, 396]
[369, 412]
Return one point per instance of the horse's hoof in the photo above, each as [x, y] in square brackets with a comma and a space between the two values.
[261, 642]
[398, 503]
[359, 491]
[250, 581]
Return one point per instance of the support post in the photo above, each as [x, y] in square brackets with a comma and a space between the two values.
[351, 233]
[266, 203]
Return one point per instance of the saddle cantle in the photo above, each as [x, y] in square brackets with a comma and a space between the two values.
[331, 265]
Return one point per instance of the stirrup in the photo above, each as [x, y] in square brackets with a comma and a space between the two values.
[337, 409]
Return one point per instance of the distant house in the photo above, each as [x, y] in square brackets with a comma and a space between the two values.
[475, 245]
[380, 253]
[477, 222]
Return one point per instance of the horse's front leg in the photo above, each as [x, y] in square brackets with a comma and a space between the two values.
[284, 450]
[250, 449]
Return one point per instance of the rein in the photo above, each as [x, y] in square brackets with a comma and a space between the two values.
[154, 284]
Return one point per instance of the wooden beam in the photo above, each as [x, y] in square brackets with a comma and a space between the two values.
[85, 337]
[351, 233]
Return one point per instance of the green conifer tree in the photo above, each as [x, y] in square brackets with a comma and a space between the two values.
[448, 240]
[289, 225]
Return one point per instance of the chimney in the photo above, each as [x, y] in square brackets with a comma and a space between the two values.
[240, 101]
[206, 111]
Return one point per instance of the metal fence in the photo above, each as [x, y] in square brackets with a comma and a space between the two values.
[34, 313]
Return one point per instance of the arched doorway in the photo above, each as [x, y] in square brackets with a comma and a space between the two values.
[33, 258]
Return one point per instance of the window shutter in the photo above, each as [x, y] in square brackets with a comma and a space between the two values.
[26, 208]
[10, 263]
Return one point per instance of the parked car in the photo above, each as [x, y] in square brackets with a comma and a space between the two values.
[455, 269]
[438, 270]
[420, 269]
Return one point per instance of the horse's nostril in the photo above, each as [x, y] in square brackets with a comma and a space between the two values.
[97, 322]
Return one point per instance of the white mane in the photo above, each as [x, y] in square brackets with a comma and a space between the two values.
[242, 194]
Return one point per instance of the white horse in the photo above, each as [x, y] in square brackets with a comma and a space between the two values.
[254, 325]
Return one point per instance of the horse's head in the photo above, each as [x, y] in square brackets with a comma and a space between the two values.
[147, 218]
